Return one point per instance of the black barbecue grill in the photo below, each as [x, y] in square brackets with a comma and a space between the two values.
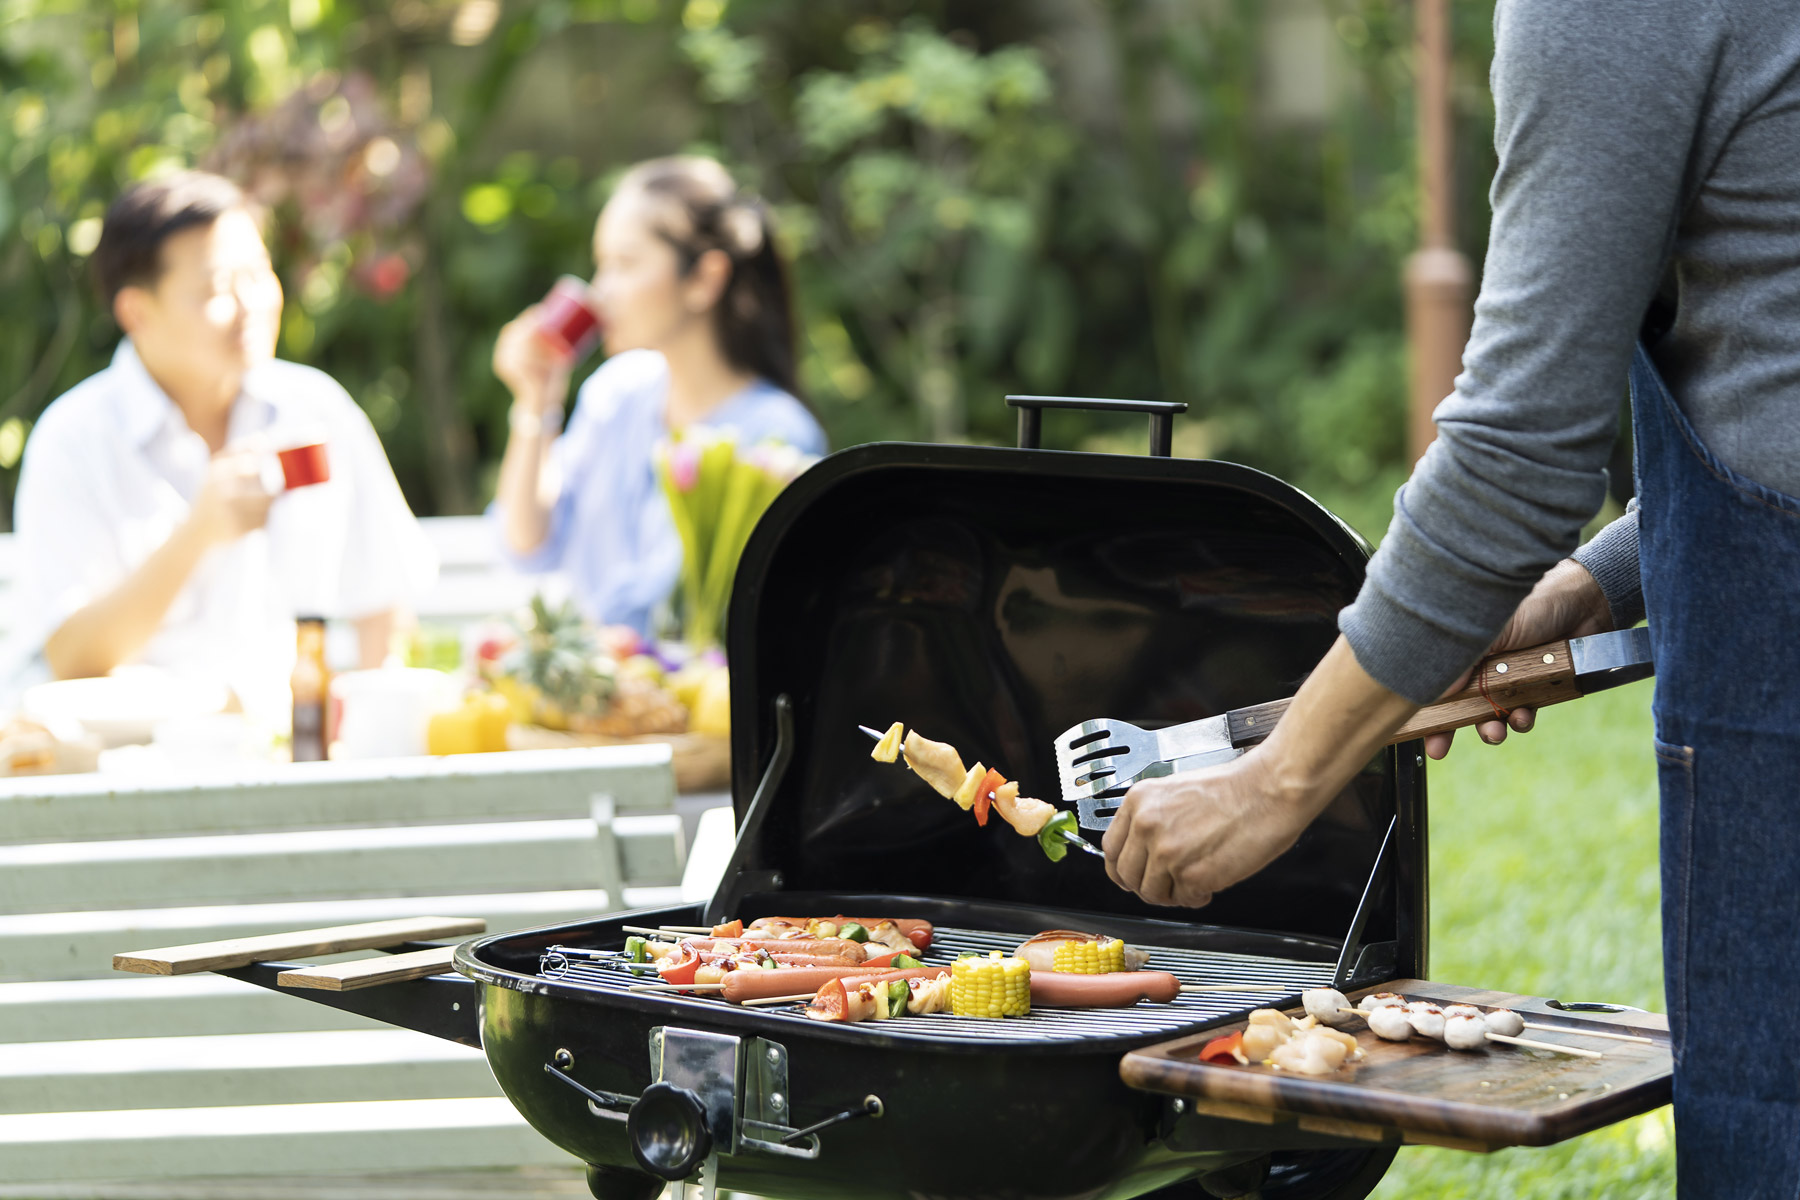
[990, 598]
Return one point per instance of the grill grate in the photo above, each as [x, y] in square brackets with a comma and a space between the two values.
[1189, 1010]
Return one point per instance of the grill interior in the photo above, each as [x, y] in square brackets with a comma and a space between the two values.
[1189, 1011]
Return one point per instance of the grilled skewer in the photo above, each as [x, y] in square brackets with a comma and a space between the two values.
[1074, 839]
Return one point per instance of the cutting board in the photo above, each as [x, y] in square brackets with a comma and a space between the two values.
[1423, 1092]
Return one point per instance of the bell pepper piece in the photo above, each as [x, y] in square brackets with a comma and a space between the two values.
[1051, 839]
[636, 949]
[902, 961]
[850, 931]
[1224, 1049]
[886, 960]
[898, 993]
[679, 967]
[831, 1004]
[992, 782]
[729, 930]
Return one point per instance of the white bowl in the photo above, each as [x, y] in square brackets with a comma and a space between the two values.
[124, 708]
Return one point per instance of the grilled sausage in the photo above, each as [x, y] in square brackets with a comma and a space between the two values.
[795, 981]
[1052, 989]
[917, 932]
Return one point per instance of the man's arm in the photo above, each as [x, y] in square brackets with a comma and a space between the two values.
[105, 632]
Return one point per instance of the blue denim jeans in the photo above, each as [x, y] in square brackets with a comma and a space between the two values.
[1720, 557]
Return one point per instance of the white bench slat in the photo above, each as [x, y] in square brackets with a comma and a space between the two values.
[501, 856]
[160, 1006]
[77, 945]
[268, 1139]
[518, 784]
[246, 1068]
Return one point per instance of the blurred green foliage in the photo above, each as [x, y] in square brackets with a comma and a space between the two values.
[1094, 197]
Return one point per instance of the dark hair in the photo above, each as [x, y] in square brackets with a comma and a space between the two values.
[704, 210]
[147, 215]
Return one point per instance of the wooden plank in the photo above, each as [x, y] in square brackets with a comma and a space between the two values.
[80, 945]
[516, 785]
[249, 868]
[371, 972]
[305, 943]
[442, 1134]
[1424, 1092]
[248, 1068]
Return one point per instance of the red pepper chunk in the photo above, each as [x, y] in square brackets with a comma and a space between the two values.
[876, 962]
[1223, 1049]
[831, 1004]
[679, 967]
[984, 795]
[734, 929]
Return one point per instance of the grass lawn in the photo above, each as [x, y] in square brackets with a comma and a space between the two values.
[1544, 881]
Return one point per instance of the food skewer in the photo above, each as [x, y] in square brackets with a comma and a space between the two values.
[1067, 835]
[771, 1001]
[676, 987]
[1593, 1033]
[1461, 1026]
[1533, 1044]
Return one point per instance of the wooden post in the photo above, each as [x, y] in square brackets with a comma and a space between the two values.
[1437, 274]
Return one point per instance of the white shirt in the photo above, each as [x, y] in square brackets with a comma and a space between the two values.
[112, 468]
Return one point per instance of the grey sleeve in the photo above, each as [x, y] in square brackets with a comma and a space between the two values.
[1612, 559]
[1596, 107]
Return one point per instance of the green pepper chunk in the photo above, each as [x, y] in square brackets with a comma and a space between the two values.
[1052, 836]
[769, 964]
[898, 994]
[850, 931]
[905, 962]
[637, 949]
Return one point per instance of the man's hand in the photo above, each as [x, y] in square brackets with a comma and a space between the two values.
[1180, 838]
[1566, 603]
[233, 500]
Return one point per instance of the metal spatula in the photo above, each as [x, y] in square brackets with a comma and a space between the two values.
[1099, 760]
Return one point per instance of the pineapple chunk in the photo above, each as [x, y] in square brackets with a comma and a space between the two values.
[888, 748]
[965, 795]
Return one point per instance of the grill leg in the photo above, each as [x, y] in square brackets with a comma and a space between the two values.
[622, 1183]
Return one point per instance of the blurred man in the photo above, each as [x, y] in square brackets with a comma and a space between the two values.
[150, 522]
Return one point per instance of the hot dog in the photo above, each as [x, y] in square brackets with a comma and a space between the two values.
[797, 981]
[1051, 989]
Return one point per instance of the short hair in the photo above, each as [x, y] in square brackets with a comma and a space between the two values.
[148, 214]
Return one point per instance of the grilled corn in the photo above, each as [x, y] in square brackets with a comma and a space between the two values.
[995, 986]
[1089, 958]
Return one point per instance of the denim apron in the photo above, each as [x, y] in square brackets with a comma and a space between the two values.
[1720, 558]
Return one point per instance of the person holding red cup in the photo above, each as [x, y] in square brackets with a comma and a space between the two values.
[691, 299]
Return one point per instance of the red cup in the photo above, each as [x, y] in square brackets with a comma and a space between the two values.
[566, 322]
[303, 466]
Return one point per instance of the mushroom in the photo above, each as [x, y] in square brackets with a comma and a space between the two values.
[1505, 1022]
[1327, 1005]
[1427, 1019]
[1465, 1032]
[1384, 1000]
[1390, 1022]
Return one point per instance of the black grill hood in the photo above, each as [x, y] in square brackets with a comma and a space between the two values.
[993, 597]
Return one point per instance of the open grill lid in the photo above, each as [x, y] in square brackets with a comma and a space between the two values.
[992, 598]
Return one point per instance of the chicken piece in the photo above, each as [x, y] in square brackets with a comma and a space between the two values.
[937, 764]
[1505, 1022]
[1383, 1000]
[1314, 1052]
[1328, 1005]
[1025, 815]
[1465, 1032]
[1390, 1023]
[928, 995]
[888, 935]
[1349, 1042]
[1267, 1030]
[1427, 1019]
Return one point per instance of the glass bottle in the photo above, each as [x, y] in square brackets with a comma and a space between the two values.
[311, 683]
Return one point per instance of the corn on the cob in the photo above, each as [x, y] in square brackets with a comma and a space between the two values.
[995, 986]
[1089, 958]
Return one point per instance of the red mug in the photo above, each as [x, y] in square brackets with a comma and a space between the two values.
[566, 321]
[302, 466]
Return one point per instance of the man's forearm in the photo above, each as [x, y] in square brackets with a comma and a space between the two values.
[1339, 719]
[107, 631]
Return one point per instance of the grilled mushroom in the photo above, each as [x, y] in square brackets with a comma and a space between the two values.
[1465, 1032]
[1505, 1022]
[1390, 1022]
[1327, 1005]
[1427, 1019]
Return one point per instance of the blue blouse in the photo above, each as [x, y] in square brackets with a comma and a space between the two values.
[610, 530]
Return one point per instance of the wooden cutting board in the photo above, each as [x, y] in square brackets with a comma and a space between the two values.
[1422, 1091]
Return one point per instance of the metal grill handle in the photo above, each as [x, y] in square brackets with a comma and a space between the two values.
[1161, 412]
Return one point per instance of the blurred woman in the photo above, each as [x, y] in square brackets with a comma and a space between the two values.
[698, 323]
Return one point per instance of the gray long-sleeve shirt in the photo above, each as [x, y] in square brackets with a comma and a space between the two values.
[1644, 146]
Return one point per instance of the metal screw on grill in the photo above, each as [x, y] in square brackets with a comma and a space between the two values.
[563, 1059]
[1180, 1106]
[774, 1055]
[777, 1100]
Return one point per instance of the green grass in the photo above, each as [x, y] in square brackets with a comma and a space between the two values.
[1544, 881]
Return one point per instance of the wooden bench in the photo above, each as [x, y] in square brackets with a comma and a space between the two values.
[112, 1076]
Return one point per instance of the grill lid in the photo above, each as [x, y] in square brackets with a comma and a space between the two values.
[992, 598]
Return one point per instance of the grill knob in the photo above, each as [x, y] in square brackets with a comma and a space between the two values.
[669, 1137]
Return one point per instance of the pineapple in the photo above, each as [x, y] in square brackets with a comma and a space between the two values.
[560, 665]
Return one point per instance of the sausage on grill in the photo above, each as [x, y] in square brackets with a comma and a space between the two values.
[795, 981]
[1053, 989]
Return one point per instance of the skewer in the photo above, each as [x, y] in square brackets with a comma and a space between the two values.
[1536, 1045]
[1235, 987]
[647, 929]
[675, 987]
[770, 1001]
[1597, 1033]
[705, 929]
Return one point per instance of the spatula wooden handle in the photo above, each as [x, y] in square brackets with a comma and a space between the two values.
[1529, 678]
